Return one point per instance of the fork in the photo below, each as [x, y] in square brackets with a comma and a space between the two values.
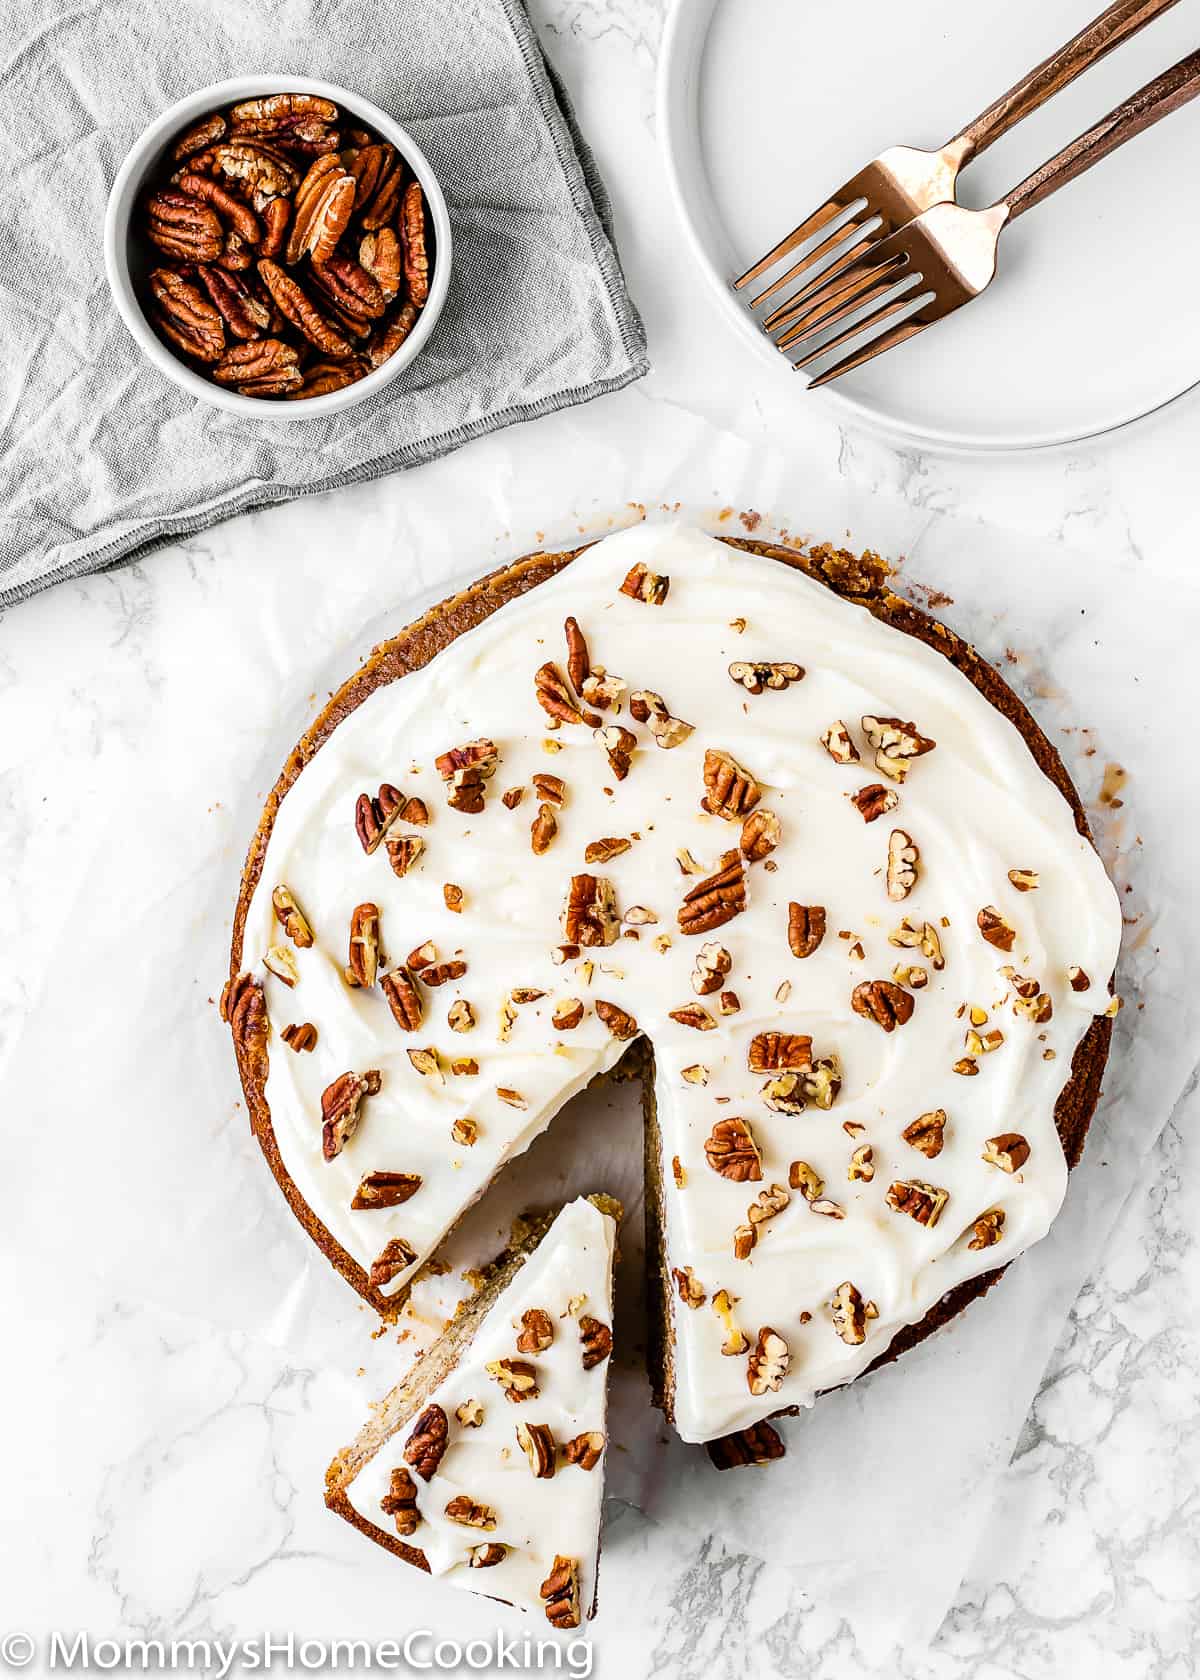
[947, 255]
[902, 182]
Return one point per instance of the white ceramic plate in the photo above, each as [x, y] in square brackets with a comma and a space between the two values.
[765, 106]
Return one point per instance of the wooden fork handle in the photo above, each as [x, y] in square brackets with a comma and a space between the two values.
[1166, 93]
[1100, 37]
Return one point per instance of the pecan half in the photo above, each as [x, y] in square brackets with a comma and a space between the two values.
[903, 857]
[341, 1109]
[244, 1007]
[293, 301]
[323, 206]
[287, 116]
[560, 1590]
[470, 1513]
[759, 1444]
[779, 1052]
[267, 367]
[182, 227]
[620, 1023]
[362, 967]
[237, 214]
[379, 175]
[537, 1331]
[584, 1450]
[995, 929]
[349, 287]
[414, 234]
[395, 1257]
[244, 313]
[590, 914]
[922, 1202]
[1009, 1152]
[768, 1363]
[596, 1341]
[756, 674]
[872, 801]
[404, 1000]
[516, 1377]
[199, 137]
[186, 317]
[761, 833]
[927, 1133]
[618, 744]
[385, 1190]
[300, 1035]
[536, 1441]
[838, 744]
[263, 172]
[806, 928]
[715, 900]
[988, 1229]
[895, 744]
[379, 255]
[730, 1150]
[276, 217]
[850, 1314]
[391, 334]
[883, 1002]
[400, 1502]
[641, 584]
[579, 664]
[730, 791]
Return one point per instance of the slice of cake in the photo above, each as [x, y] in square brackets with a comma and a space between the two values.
[486, 1465]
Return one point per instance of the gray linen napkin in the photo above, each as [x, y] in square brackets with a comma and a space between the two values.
[101, 458]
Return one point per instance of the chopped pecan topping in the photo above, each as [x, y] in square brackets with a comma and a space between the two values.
[883, 1002]
[1009, 1152]
[924, 937]
[536, 1441]
[602, 689]
[735, 1342]
[341, 1109]
[395, 1257]
[568, 1013]
[911, 975]
[596, 1341]
[512, 798]
[713, 962]
[638, 916]
[510, 1098]
[756, 674]
[516, 1377]
[1025, 880]
[850, 1314]
[400, 1502]
[584, 1450]
[385, 1189]
[620, 1023]
[641, 584]
[555, 698]
[465, 1132]
[759, 1444]
[862, 1164]
[995, 929]
[806, 928]
[244, 1007]
[460, 1017]
[691, 1291]
[927, 1133]
[779, 1052]
[730, 1150]
[452, 896]
[415, 813]
[761, 833]
[543, 829]
[730, 791]
[618, 744]
[362, 966]
[715, 900]
[550, 788]
[807, 1180]
[967, 1066]
[464, 770]
[373, 817]
[590, 914]
[730, 1003]
[428, 1064]
[469, 1414]
[1078, 979]
[300, 1035]
[922, 1202]
[823, 1081]
[291, 918]
[422, 956]
[696, 1074]
[427, 1443]
[462, 1509]
[768, 1363]
[579, 665]
[487, 1555]
[694, 1015]
[404, 852]
[560, 1590]
[404, 1000]
[601, 851]
[464, 1067]
[784, 1094]
[279, 961]
[767, 1204]
[650, 708]
[838, 744]
[903, 857]
[895, 744]
[828, 1209]
[537, 1331]
[988, 1229]
[874, 800]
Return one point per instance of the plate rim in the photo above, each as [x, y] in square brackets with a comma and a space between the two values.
[685, 31]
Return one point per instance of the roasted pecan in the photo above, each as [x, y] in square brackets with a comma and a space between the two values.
[199, 137]
[862, 1165]
[988, 1229]
[276, 218]
[618, 744]
[400, 1502]
[517, 1377]
[620, 1023]
[647, 707]
[470, 1513]
[267, 367]
[735, 1342]
[285, 116]
[601, 689]
[579, 665]
[895, 744]
[713, 963]
[903, 857]
[926, 937]
[550, 788]
[590, 914]
[874, 800]
[602, 851]
[730, 791]
[922, 1202]
[487, 1556]
[237, 214]
[379, 173]
[995, 929]
[554, 697]
[537, 1331]
[641, 584]
[756, 674]
[1009, 1152]
[768, 1363]
[322, 377]
[373, 817]
[244, 1007]
[291, 918]
[730, 1150]
[464, 770]
[806, 1179]
[1078, 979]
[186, 317]
[560, 1590]
[584, 1450]
[395, 1257]
[806, 928]
[927, 1132]
[596, 1341]
[838, 744]
[351, 288]
[543, 829]
[568, 1013]
[280, 962]
[691, 1291]
[264, 173]
[362, 965]
[536, 1441]
[341, 1109]
[404, 1000]
[391, 334]
[883, 1002]
[379, 255]
[779, 1052]
[761, 833]
[294, 302]
[182, 227]
[759, 1444]
[237, 257]
[717, 899]
[850, 1314]
[385, 1189]
[300, 1035]
[414, 237]
[323, 205]
[694, 1015]
[243, 312]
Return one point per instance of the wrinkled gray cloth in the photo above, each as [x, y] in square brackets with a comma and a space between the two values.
[101, 457]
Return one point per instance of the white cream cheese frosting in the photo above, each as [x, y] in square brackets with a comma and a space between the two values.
[992, 832]
[536, 1519]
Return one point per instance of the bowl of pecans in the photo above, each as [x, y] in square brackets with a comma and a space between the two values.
[278, 246]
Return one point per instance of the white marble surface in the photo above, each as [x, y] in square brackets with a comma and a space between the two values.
[161, 1459]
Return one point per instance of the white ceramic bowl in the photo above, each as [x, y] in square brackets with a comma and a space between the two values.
[119, 253]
